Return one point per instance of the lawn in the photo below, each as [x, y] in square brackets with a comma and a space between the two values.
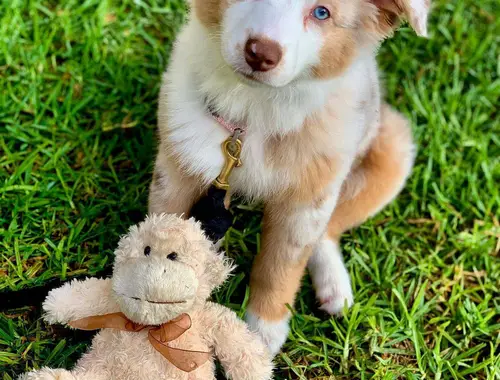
[79, 84]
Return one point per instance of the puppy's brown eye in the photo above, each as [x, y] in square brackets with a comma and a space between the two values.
[147, 250]
[172, 256]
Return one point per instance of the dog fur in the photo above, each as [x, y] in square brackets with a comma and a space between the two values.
[321, 149]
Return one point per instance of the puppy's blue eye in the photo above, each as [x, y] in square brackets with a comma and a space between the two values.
[321, 13]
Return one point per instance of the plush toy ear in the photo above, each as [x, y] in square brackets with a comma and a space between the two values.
[126, 244]
[217, 269]
[415, 11]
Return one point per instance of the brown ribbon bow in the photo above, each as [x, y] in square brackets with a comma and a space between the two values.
[158, 336]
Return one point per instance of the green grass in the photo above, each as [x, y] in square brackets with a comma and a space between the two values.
[79, 84]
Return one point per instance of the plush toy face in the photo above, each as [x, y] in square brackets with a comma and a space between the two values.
[163, 268]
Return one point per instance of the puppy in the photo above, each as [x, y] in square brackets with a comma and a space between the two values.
[320, 148]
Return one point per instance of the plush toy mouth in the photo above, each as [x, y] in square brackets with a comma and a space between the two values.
[158, 302]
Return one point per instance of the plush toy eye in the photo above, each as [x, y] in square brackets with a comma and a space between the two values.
[321, 13]
[172, 256]
[147, 250]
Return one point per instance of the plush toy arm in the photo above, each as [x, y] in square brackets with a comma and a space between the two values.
[79, 299]
[241, 352]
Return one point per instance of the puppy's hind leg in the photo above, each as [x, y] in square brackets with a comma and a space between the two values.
[376, 181]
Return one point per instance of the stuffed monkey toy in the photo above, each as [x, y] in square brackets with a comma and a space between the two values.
[153, 315]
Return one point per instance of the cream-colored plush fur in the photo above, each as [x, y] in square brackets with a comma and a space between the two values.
[143, 277]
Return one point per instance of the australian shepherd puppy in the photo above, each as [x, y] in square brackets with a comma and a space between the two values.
[320, 148]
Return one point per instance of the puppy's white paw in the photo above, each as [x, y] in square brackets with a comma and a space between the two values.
[330, 278]
[334, 303]
[273, 334]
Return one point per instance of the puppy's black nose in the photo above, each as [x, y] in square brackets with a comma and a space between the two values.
[262, 54]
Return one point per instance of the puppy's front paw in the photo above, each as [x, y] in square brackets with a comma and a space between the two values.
[330, 278]
[333, 290]
[333, 302]
[273, 333]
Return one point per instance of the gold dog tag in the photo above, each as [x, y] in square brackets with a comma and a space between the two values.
[231, 148]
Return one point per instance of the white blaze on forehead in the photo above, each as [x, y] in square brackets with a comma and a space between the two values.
[279, 20]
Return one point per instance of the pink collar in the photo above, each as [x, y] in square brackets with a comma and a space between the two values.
[232, 128]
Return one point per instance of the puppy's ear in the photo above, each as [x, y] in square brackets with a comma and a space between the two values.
[390, 11]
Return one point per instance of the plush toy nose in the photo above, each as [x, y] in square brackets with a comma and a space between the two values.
[262, 54]
[161, 279]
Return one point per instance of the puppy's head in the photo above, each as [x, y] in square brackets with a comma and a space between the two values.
[276, 42]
